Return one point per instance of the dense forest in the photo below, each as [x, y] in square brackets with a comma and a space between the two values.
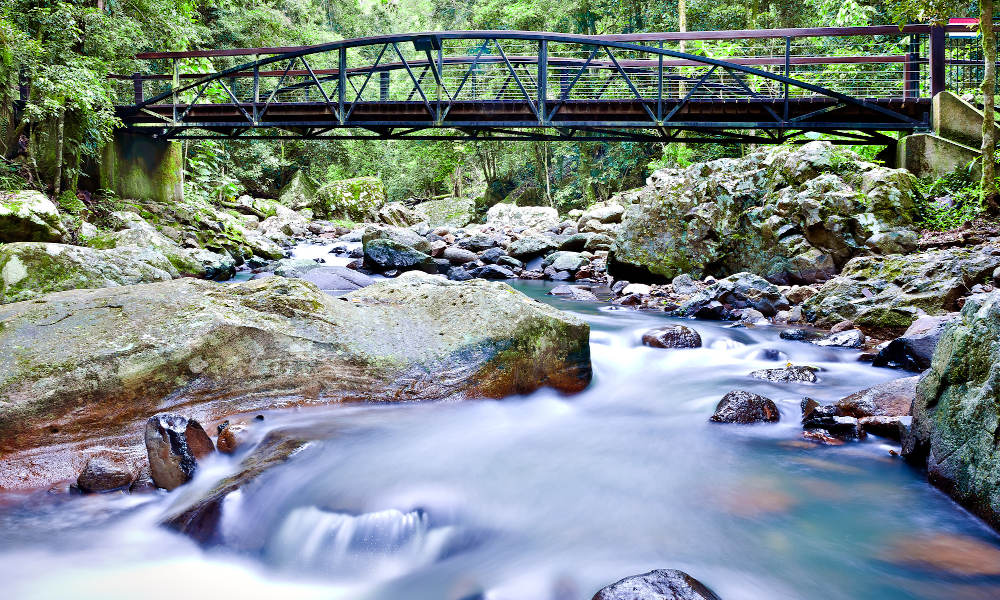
[66, 49]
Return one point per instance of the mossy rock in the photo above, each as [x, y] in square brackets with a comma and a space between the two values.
[356, 199]
[28, 216]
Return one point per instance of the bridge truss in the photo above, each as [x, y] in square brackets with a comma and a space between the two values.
[855, 84]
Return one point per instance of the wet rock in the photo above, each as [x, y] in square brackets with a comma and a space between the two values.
[893, 428]
[889, 399]
[479, 242]
[459, 274]
[102, 474]
[491, 255]
[28, 216]
[576, 242]
[851, 338]
[401, 235]
[740, 406]
[800, 335]
[742, 290]
[357, 199]
[493, 272]
[175, 444]
[956, 412]
[828, 418]
[215, 351]
[788, 374]
[672, 336]
[573, 292]
[337, 278]
[914, 349]
[636, 288]
[661, 584]
[386, 255]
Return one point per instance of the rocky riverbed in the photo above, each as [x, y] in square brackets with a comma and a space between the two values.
[125, 368]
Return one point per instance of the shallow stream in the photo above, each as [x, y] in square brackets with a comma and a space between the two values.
[538, 497]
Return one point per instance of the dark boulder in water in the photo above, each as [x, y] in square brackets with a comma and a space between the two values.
[661, 584]
[741, 406]
[175, 444]
[672, 336]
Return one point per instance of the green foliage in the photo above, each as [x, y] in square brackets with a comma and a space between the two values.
[205, 172]
[950, 201]
[71, 204]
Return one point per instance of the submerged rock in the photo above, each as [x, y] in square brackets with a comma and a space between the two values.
[175, 444]
[672, 336]
[956, 413]
[661, 584]
[125, 353]
[790, 373]
[741, 406]
[850, 338]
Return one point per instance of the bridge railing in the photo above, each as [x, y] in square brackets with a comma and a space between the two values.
[531, 79]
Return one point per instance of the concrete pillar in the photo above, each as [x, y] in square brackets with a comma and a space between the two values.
[142, 168]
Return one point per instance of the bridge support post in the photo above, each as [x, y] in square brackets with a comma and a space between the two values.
[140, 167]
[937, 60]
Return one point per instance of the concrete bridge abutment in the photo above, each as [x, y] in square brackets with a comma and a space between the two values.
[141, 167]
[954, 143]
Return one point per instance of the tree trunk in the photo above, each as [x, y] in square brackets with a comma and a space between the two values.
[988, 183]
[60, 142]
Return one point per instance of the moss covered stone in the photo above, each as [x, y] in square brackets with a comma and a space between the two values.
[956, 414]
[794, 215]
[356, 199]
[889, 292]
[81, 366]
[28, 216]
[447, 212]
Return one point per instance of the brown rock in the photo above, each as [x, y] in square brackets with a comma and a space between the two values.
[175, 444]
[672, 336]
[889, 399]
[103, 474]
[842, 326]
[953, 554]
[741, 406]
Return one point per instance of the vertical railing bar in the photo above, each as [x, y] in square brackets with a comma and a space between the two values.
[176, 83]
[543, 78]
[659, 86]
[788, 68]
[341, 84]
[256, 87]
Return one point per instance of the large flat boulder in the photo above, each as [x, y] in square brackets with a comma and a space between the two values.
[81, 367]
[890, 292]
[956, 414]
[28, 216]
[793, 215]
[31, 269]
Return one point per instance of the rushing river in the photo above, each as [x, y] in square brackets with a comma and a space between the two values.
[538, 497]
